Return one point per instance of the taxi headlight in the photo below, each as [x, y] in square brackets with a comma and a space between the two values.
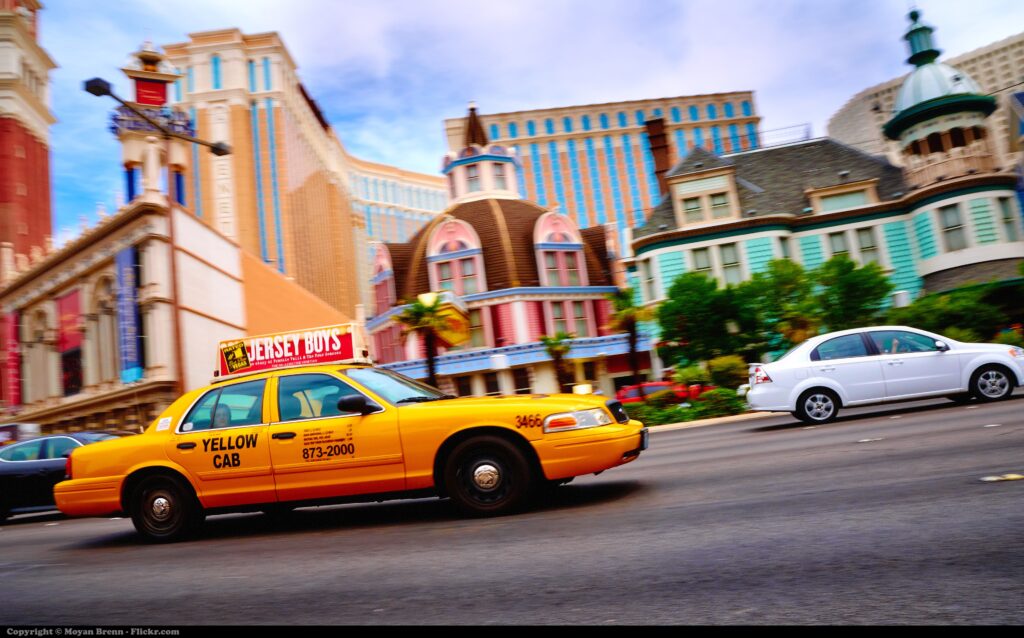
[577, 420]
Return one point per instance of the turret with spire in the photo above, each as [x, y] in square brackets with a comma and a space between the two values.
[940, 115]
[480, 170]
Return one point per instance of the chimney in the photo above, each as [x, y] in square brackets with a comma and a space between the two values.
[658, 140]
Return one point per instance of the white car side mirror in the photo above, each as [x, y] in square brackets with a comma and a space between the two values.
[942, 346]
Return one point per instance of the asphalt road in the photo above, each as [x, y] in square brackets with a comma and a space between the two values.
[874, 519]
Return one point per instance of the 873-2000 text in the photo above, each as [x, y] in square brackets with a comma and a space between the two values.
[328, 451]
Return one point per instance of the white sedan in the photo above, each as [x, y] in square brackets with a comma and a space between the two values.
[880, 364]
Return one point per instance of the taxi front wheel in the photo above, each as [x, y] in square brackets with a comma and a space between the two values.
[164, 510]
[488, 476]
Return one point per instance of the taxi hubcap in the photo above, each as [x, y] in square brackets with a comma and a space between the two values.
[161, 508]
[486, 477]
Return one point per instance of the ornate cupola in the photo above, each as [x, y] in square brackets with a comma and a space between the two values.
[480, 170]
[939, 116]
[150, 74]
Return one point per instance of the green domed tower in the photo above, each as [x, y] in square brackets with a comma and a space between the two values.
[940, 116]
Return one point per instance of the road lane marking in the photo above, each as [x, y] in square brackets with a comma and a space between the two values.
[896, 417]
[870, 440]
[810, 427]
[992, 425]
[972, 407]
[1002, 477]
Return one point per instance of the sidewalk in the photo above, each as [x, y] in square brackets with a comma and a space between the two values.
[746, 416]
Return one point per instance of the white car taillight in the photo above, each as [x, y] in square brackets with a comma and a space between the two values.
[760, 376]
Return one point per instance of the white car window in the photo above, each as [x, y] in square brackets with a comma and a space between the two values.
[843, 347]
[901, 342]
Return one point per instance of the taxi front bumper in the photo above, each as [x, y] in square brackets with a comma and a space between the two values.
[578, 452]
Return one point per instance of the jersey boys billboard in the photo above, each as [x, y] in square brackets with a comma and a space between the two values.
[300, 347]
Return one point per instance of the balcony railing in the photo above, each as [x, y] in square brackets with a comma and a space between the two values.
[942, 166]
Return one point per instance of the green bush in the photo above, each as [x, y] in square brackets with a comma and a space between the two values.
[966, 308]
[729, 371]
[691, 375]
[964, 335]
[719, 402]
[663, 398]
[1010, 338]
[651, 415]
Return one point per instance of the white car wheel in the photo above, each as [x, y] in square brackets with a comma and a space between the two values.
[817, 406]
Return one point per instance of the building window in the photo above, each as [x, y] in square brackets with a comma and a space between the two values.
[720, 206]
[712, 112]
[444, 276]
[499, 176]
[843, 201]
[1010, 222]
[647, 276]
[952, 228]
[701, 260]
[494, 132]
[603, 119]
[558, 317]
[580, 315]
[531, 128]
[728, 109]
[731, 264]
[551, 268]
[784, 247]
[215, 70]
[676, 115]
[549, 126]
[745, 108]
[513, 129]
[692, 210]
[476, 329]
[521, 379]
[469, 278]
[464, 386]
[866, 244]
[623, 122]
[837, 241]
[473, 178]
[585, 122]
[572, 269]
[491, 384]
[567, 124]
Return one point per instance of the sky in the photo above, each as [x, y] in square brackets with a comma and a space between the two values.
[386, 73]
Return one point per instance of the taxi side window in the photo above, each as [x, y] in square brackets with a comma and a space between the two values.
[310, 396]
[230, 406]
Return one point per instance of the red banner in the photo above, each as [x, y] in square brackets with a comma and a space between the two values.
[150, 92]
[69, 320]
[12, 366]
[300, 347]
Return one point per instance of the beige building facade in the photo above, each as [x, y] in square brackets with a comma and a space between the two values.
[289, 193]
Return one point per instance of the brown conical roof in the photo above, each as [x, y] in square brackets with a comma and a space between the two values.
[474, 129]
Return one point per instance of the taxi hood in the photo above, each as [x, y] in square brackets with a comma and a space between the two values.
[548, 403]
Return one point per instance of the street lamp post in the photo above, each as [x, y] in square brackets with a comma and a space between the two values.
[100, 87]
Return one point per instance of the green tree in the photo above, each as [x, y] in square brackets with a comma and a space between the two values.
[782, 301]
[850, 296]
[557, 348]
[964, 309]
[627, 317]
[699, 317]
[424, 318]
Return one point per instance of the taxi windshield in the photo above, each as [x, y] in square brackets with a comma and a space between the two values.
[393, 387]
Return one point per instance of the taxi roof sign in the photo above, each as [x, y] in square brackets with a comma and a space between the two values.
[259, 353]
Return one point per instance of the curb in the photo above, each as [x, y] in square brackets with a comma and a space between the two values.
[746, 416]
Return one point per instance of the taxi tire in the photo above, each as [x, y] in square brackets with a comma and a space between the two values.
[186, 515]
[514, 486]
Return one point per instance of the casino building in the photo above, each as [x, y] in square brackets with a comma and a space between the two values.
[290, 193]
[594, 163]
[948, 217]
[522, 270]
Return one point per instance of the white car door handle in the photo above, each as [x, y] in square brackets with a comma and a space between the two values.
[895, 363]
[829, 369]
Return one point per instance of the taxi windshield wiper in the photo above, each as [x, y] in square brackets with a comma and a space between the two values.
[422, 398]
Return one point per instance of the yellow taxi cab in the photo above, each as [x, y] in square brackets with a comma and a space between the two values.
[329, 433]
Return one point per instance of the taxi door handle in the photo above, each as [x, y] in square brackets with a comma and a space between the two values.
[283, 435]
[186, 446]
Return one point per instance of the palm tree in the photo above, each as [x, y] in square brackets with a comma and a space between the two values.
[557, 347]
[626, 317]
[424, 318]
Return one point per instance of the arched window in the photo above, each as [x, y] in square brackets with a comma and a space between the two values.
[934, 143]
[455, 259]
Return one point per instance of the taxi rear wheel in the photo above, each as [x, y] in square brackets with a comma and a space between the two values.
[488, 476]
[164, 510]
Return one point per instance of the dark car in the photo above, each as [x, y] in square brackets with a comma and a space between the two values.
[640, 392]
[30, 469]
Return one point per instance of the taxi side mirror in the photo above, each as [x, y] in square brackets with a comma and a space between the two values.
[355, 403]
